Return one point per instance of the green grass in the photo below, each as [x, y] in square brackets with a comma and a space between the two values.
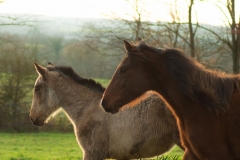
[49, 146]
[39, 146]
[103, 82]
[174, 154]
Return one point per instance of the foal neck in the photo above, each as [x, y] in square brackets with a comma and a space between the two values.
[76, 99]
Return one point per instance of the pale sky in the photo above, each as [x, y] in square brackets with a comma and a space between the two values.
[153, 9]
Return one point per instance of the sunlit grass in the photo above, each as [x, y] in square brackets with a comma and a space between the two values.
[103, 82]
[50, 146]
[39, 146]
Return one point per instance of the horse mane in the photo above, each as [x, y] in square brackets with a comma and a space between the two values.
[141, 45]
[211, 88]
[87, 82]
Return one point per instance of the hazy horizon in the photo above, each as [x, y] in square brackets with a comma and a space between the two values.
[151, 10]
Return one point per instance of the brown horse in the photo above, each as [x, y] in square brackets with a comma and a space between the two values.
[148, 129]
[206, 103]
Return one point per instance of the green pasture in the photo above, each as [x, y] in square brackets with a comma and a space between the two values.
[50, 146]
[103, 82]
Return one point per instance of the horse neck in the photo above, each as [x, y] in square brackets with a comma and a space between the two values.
[169, 89]
[76, 99]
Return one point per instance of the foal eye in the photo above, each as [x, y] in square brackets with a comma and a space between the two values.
[37, 88]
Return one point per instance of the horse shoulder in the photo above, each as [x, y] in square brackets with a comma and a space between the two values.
[91, 130]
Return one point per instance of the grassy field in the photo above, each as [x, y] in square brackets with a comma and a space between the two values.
[50, 146]
[103, 82]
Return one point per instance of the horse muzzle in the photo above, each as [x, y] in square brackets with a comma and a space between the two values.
[36, 122]
[106, 107]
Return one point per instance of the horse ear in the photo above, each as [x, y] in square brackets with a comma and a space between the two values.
[41, 71]
[139, 39]
[127, 46]
[50, 64]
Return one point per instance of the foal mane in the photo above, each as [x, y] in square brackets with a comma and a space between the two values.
[213, 89]
[87, 82]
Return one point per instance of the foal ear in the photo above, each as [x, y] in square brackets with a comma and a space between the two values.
[127, 46]
[41, 71]
[50, 64]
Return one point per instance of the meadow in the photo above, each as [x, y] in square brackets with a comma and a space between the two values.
[51, 146]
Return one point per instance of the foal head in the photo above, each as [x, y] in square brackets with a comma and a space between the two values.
[132, 78]
[45, 101]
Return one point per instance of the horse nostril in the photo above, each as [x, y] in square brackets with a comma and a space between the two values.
[107, 110]
[30, 118]
[36, 122]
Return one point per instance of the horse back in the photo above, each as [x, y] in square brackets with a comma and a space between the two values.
[233, 120]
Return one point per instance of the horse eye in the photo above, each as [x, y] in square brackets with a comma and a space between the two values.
[37, 88]
[122, 70]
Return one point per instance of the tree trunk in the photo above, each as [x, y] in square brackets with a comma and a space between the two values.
[235, 36]
[191, 33]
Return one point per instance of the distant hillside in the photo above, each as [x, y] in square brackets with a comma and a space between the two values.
[54, 25]
[45, 24]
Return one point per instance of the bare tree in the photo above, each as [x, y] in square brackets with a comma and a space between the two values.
[11, 20]
[231, 36]
[136, 26]
[133, 19]
[235, 35]
[191, 31]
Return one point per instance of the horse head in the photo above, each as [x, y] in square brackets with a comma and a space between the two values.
[131, 79]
